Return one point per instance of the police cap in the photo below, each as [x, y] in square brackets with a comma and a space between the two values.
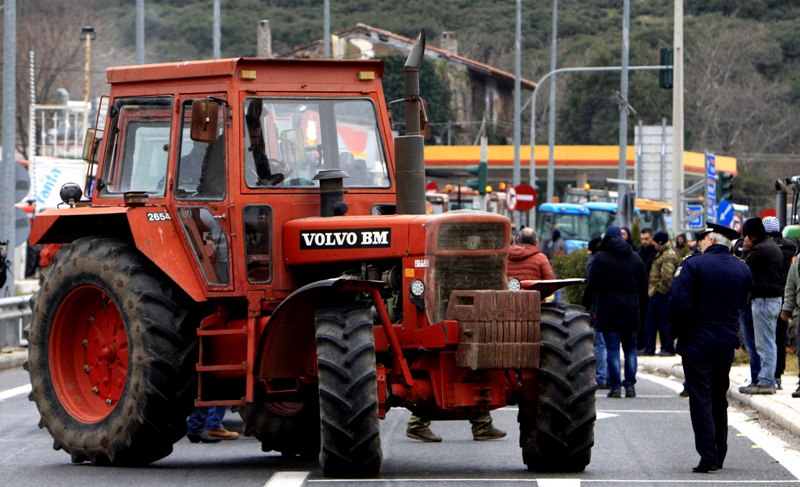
[727, 232]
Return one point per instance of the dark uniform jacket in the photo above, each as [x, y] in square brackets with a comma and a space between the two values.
[616, 287]
[765, 260]
[705, 298]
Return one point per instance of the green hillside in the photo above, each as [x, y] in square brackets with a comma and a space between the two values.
[742, 79]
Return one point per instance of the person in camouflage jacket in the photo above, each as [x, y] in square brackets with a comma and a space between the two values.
[661, 274]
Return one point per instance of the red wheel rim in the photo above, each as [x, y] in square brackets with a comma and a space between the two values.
[88, 354]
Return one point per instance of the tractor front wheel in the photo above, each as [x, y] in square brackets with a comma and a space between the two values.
[111, 355]
[557, 427]
[348, 395]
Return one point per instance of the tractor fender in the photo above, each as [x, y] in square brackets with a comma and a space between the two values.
[287, 347]
[150, 228]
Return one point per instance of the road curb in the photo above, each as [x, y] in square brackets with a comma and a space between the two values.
[14, 358]
[770, 406]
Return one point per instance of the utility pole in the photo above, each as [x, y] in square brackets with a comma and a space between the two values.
[517, 101]
[87, 34]
[551, 135]
[623, 218]
[7, 209]
[216, 31]
[139, 31]
[677, 122]
[326, 29]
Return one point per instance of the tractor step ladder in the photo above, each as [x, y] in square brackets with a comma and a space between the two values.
[205, 333]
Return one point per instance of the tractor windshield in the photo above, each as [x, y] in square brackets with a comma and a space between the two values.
[138, 148]
[287, 141]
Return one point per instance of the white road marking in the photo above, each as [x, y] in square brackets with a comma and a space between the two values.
[558, 483]
[9, 393]
[772, 445]
[287, 479]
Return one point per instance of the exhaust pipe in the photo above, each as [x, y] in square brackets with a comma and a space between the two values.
[410, 148]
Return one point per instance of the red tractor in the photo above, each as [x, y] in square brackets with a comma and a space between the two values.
[253, 236]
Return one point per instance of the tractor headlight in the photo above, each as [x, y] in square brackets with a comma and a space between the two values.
[417, 288]
[514, 284]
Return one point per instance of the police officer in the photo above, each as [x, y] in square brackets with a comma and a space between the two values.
[706, 295]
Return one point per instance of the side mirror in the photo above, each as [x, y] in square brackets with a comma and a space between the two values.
[205, 115]
[90, 145]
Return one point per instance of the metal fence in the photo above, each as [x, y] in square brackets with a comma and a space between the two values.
[15, 315]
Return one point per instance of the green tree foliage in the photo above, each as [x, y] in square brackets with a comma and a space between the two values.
[571, 265]
[432, 88]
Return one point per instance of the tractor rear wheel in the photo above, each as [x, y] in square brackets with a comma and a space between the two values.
[557, 429]
[348, 395]
[291, 428]
[111, 355]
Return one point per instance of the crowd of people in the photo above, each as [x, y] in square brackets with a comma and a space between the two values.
[729, 290]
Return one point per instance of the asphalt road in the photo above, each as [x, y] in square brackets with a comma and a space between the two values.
[642, 441]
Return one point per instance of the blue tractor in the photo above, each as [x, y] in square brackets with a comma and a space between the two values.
[572, 221]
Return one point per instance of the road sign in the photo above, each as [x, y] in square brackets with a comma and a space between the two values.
[725, 213]
[711, 187]
[521, 197]
[695, 215]
[736, 224]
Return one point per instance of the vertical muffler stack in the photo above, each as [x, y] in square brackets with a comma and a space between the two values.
[410, 148]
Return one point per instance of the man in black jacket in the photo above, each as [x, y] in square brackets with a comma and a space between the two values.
[773, 228]
[765, 260]
[616, 289]
[706, 295]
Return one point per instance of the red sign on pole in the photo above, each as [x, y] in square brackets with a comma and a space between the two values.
[521, 197]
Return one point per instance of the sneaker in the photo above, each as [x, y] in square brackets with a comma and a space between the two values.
[490, 434]
[223, 434]
[615, 392]
[751, 389]
[630, 391]
[603, 385]
[423, 434]
[201, 437]
[797, 392]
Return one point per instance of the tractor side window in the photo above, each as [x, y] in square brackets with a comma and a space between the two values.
[208, 241]
[201, 167]
[287, 142]
[257, 238]
[138, 149]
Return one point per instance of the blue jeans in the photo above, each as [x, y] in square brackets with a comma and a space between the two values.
[749, 338]
[600, 365]
[205, 418]
[628, 342]
[765, 316]
[658, 321]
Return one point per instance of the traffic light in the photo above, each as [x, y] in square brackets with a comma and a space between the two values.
[724, 186]
[481, 170]
[665, 75]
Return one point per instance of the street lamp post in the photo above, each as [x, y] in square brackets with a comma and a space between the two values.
[532, 101]
[87, 34]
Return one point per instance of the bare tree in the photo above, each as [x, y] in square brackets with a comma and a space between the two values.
[735, 102]
[52, 28]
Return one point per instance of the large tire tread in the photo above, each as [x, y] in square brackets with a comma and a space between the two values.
[559, 435]
[348, 393]
[151, 413]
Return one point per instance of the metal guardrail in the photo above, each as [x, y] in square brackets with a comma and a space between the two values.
[15, 314]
